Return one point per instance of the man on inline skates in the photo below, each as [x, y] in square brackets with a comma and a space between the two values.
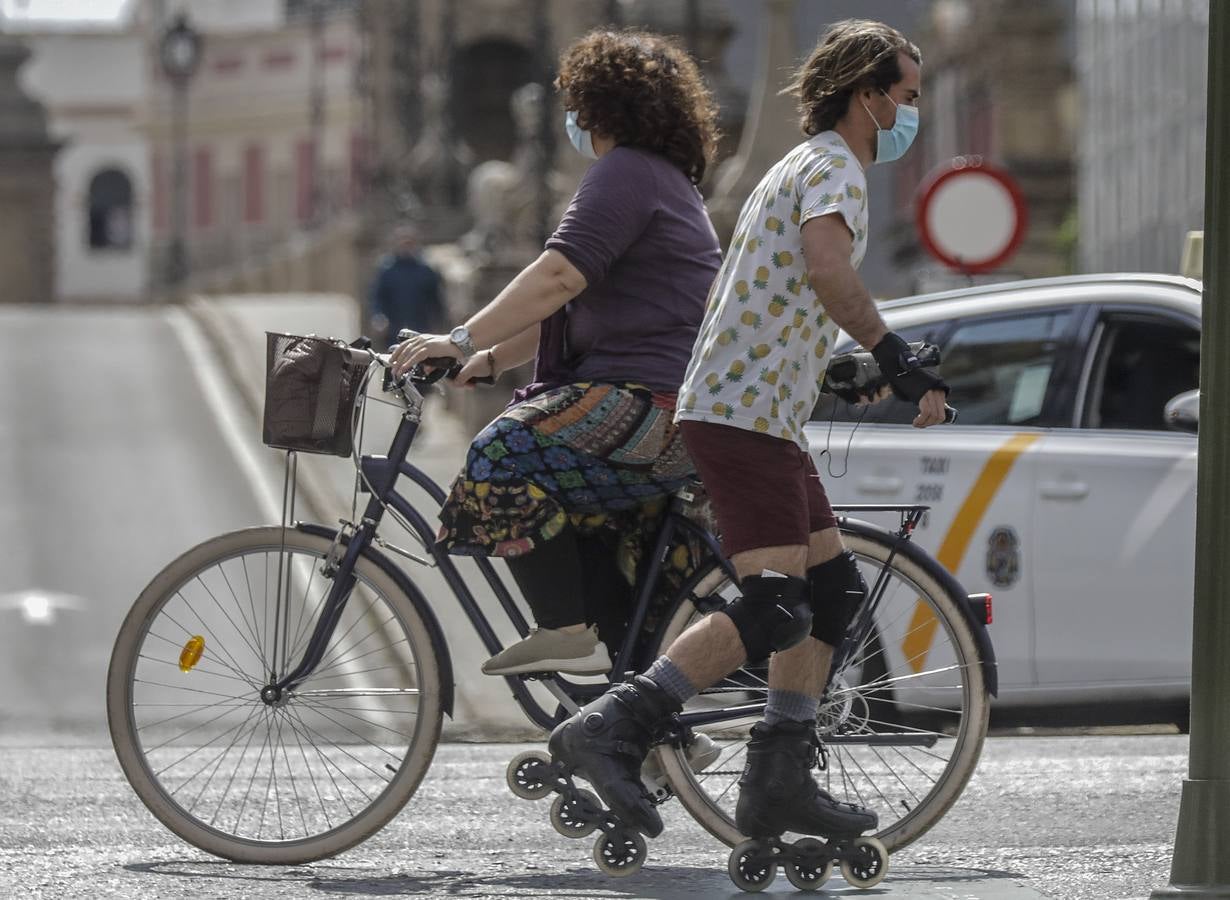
[787, 284]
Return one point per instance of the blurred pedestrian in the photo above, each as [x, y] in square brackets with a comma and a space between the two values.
[406, 292]
[609, 312]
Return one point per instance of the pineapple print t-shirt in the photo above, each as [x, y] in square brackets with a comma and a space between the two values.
[765, 341]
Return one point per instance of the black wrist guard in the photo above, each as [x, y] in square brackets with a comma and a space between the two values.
[904, 373]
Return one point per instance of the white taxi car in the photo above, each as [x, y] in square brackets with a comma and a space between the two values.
[1060, 490]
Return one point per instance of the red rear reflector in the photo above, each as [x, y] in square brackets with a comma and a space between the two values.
[980, 606]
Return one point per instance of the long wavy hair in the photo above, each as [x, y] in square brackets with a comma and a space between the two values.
[852, 55]
[643, 90]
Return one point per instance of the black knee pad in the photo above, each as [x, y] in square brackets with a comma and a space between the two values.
[837, 591]
[773, 613]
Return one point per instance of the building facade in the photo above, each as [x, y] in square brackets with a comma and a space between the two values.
[998, 82]
[274, 145]
[1143, 72]
[101, 173]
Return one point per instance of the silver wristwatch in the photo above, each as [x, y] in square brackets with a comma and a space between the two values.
[460, 336]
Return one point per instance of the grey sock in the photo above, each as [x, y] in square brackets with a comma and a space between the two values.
[666, 675]
[789, 706]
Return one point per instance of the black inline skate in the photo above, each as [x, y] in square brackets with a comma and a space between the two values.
[605, 742]
[777, 793]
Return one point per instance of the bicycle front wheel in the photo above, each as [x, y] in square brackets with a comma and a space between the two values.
[903, 720]
[261, 780]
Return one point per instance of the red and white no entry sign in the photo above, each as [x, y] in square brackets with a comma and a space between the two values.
[970, 215]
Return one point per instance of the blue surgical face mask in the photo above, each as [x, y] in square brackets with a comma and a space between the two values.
[891, 143]
[580, 138]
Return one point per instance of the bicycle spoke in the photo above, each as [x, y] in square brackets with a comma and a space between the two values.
[290, 772]
[228, 618]
[260, 640]
[217, 761]
[250, 626]
[231, 781]
[185, 734]
[337, 640]
[318, 707]
[345, 662]
[324, 759]
[319, 711]
[212, 642]
[307, 766]
[340, 770]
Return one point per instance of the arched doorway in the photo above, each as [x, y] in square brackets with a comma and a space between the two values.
[109, 211]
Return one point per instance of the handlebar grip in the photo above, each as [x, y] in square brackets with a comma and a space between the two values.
[441, 367]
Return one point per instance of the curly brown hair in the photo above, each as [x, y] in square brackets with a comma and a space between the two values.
[643, 90]
[851, 55]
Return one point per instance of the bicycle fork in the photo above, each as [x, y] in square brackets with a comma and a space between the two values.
[342, 576]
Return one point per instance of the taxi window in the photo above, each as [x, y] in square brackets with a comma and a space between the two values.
[999, 369]
[1141, 363]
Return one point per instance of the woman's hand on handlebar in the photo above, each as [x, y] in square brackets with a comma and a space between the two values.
[477, 370]
[421, 347]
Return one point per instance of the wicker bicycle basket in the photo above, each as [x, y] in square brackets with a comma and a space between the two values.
[311, 385]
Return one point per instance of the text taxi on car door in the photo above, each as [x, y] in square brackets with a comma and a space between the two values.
[1065, 489]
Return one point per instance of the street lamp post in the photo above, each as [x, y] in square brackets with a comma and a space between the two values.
[1200, 866]
[316, 111]
[180, 54]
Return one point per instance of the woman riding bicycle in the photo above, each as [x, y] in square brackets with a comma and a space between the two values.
[609, 312]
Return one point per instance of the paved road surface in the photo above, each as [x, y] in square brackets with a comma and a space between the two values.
[1083, 818]
[111, 463]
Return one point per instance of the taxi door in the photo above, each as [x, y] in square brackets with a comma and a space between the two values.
[1115, 517]
[978, 483]
[1005, 371]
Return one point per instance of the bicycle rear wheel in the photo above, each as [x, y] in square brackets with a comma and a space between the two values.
[286, 782]
[903, 722]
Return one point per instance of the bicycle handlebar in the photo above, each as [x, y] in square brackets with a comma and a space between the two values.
[855, 376]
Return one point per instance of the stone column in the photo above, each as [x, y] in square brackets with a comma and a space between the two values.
[27, 188]
[771, 127]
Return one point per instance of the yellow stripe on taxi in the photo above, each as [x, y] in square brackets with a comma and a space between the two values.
[917, 642]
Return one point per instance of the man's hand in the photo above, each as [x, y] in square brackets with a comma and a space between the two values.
[931, 409]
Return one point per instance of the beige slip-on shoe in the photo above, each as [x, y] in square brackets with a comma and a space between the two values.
[553, 650]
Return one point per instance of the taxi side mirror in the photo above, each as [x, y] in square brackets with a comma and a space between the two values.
[1182, 412]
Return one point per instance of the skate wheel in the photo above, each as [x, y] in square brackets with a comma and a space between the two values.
[527, 775]
[868, 865]
[577, 816]
[751, 866]
[620, 853]
[810, 865]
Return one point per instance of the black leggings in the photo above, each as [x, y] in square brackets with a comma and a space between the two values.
[574, 578]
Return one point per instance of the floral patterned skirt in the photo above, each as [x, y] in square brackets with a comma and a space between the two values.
[593, 454]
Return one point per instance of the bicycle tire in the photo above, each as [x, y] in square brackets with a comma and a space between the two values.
[709, 796]
[406, 672]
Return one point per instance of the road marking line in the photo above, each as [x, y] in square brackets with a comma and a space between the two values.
[917, 643]
[233, 421]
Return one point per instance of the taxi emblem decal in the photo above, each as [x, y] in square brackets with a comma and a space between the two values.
[1003, 557]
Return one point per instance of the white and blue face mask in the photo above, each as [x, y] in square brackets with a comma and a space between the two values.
[892, 143]
[581, 139]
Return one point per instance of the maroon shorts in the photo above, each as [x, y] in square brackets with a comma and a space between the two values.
[765, 490]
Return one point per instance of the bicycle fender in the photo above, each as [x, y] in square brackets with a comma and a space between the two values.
[421, 606]
[982, 637]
